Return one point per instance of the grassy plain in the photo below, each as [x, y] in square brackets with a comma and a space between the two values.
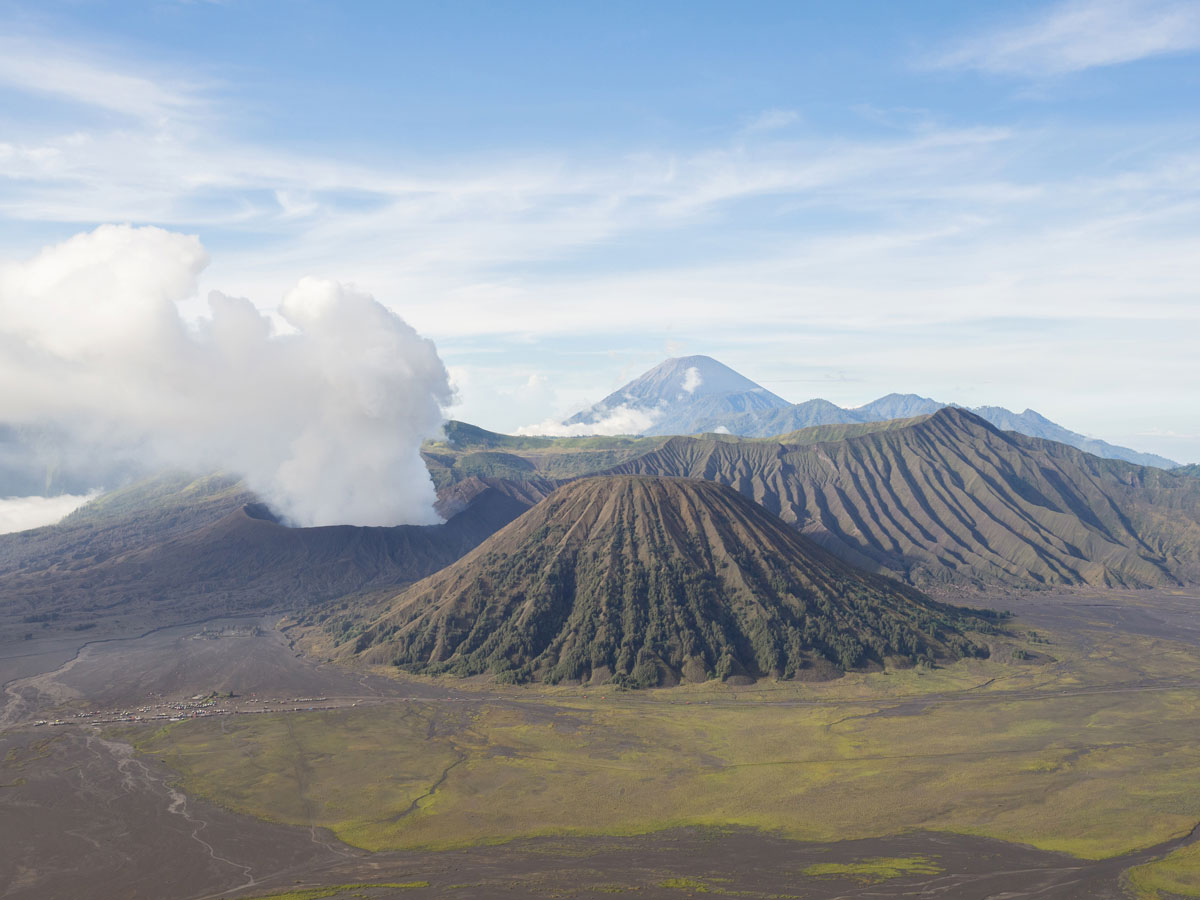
[337, 890]
[876, 869]
[1175, 875]
[1087, 748]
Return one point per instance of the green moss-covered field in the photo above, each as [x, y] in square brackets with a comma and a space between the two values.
[1088, 750]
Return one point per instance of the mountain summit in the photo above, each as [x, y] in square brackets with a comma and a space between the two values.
[643, 581]
[681, 394]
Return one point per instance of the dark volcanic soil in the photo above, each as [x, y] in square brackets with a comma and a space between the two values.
[247, 656]
[1168, 614]
[82, 817]
[739, 862]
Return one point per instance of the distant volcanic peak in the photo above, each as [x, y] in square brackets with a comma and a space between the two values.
[897, 406]
[646, 580]
[695, 376]
[679, 393]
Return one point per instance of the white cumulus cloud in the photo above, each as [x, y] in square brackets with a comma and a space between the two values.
[325, 421]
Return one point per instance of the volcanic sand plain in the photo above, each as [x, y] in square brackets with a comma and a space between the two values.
[1065, 765]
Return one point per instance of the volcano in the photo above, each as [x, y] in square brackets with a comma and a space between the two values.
[644, 581]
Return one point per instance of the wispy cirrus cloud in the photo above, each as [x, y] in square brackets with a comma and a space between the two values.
[1078, 35]
[765, 234]
[66, 72]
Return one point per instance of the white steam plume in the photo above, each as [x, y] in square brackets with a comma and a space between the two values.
[325, 422]
[692, 379]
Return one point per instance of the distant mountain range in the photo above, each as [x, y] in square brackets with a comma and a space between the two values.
[941, 498]
[698, 394]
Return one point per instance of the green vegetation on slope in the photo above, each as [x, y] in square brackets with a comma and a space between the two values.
[876, 869]
[119, 521]
[463, 437]
[469, 451]
[643, 581]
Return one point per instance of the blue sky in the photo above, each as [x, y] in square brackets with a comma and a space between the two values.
[983, 203]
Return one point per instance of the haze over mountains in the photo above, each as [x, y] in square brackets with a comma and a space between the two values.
[697, 394]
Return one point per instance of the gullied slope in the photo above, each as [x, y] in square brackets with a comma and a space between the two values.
[646, 580]
[177, 549]
[950, 498]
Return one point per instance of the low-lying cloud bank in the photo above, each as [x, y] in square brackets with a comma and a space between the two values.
[325, 420]
[618, 420]
[23, 513]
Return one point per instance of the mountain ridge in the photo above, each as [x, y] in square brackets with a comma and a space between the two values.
[927, 502]
[942, 499]
[750, 410]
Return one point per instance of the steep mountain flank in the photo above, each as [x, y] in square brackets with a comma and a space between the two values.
[647, 580]
[950, 498]
[177, 549]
